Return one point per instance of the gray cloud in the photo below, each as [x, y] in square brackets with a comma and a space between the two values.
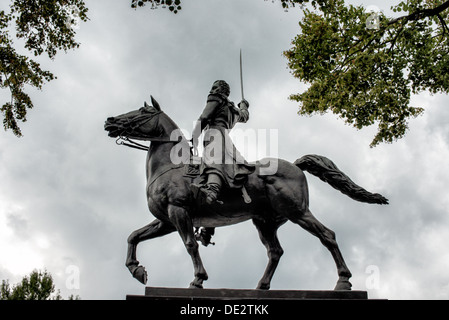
[73, 187]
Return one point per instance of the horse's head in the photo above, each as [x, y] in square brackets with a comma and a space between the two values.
[141, 124]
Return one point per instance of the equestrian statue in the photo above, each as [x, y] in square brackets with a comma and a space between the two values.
[194, 197]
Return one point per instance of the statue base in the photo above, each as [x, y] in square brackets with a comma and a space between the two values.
[176, 303]
[158, 293]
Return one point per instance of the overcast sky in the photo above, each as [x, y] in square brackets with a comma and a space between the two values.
[69, 196]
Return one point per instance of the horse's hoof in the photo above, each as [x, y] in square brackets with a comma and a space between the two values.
[263, 287]
[140, 274]
[195, 286]
[343, 285]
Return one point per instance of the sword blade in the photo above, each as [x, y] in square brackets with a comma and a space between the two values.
[241, 75]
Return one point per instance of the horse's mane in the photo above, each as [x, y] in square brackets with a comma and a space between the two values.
[179, 133]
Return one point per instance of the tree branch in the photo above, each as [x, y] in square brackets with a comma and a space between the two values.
[421, 14]
[443, 24]
[396, 37]
[352, 54]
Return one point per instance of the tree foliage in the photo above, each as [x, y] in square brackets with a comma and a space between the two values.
[45, 26]
[175, 5]
[172, 5]
[37, 286]
[364, 66]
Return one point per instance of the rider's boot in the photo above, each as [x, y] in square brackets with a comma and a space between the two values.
[212, 188]
[211, 191]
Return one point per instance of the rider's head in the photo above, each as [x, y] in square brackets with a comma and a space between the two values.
[220, 86]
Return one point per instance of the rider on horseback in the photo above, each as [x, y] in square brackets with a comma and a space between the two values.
[222, 164]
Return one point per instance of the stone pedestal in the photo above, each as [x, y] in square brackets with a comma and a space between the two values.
[155, 293]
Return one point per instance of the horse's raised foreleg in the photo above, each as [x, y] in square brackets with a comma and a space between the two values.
[327, 238]
[183, 223]
[155, 229]
[268, 236]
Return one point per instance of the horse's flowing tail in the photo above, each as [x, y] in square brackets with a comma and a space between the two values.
[327, 171]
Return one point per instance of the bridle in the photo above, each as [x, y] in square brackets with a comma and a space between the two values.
[135, 123]
[130, 125]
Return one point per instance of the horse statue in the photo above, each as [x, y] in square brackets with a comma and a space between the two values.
[276, 198]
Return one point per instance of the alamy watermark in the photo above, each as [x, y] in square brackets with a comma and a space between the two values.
[73, 19]
[372, 281]
[72, 281]
[373, 20]
[219, 148]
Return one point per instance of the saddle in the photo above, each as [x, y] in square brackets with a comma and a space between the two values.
[192, 171]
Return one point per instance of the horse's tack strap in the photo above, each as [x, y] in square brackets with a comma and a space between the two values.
[163, 171]
[135, 145]
[246, 196]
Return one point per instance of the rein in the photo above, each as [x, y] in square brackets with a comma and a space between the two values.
[125, 141]
[131, 144]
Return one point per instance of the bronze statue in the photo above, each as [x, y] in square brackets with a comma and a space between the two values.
[276, 198]
[222, 163]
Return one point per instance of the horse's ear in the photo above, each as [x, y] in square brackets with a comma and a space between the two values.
[145, 105]
[155, 104]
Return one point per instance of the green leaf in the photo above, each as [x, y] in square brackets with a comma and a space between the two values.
[46, 27]
[367, 75]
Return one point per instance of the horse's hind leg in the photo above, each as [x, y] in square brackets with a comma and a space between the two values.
[327, 238]
[268, 236]
[155, 229]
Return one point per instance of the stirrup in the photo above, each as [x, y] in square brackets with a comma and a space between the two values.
[203, 236]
